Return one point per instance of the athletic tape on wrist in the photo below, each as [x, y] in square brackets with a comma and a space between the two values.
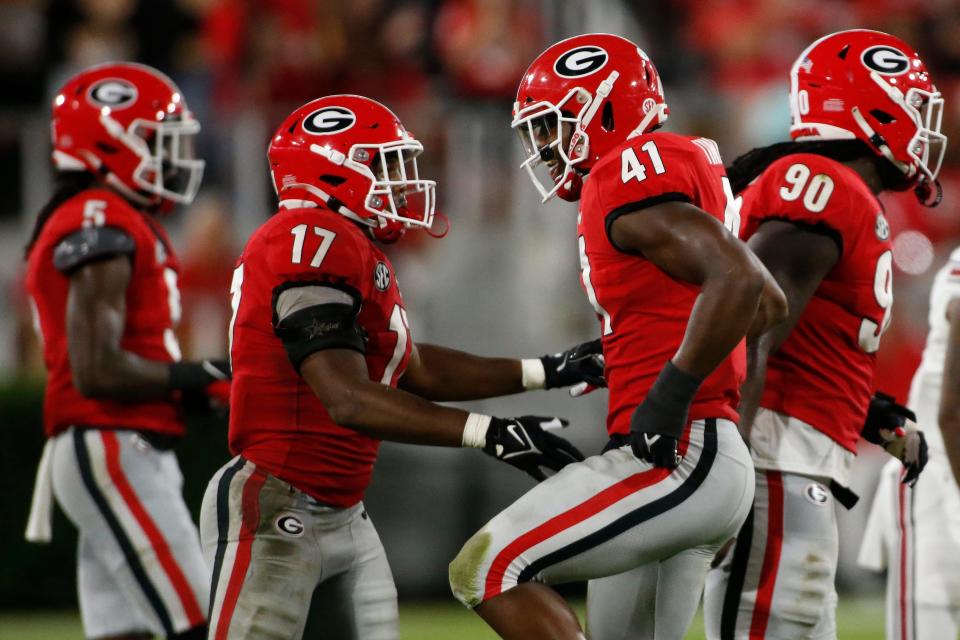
[475, 430]
[534, 375]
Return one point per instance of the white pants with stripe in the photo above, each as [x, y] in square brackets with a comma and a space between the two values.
[643, 536]
[287, 567]
[777, 582]
[140, 568]
[915, 534]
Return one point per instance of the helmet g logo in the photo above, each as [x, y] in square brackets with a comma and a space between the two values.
[581, 61]
[886, 60]
[329, 120]
[113, 93]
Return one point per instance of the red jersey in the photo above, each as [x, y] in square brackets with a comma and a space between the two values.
[823, 372]
[644, 312]
[276, 421]
[152, 312]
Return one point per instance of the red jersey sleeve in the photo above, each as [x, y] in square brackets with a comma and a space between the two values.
[94, 225]
[809, 190]
[302, 250]
[651, 169]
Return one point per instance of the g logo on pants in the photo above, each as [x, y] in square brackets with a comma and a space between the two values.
[289, 525]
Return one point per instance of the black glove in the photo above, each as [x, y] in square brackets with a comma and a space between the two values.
[658, 423]
[524, 443]
[202, 384]
[582, 363]
[886, 426]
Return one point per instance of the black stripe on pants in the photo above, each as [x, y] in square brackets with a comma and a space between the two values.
[223, 526]
[133, 560]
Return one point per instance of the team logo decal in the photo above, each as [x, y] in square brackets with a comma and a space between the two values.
[289, 525]
[113, 93]
[381, 276]
[329, 120]
[581, 61]
[886, 60]
[882, 228]
[816, 493]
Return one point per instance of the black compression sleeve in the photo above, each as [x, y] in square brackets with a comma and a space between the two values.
[91, 244]
[322, 326]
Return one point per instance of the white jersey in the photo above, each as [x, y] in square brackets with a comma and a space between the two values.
[927, 381]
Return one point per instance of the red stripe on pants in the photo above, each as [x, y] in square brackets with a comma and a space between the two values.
[771, 556]
[902, 516]
[573, 516]
[188, 599]
[250, 520]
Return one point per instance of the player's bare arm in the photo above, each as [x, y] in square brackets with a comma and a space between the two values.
[339, 377]
[949, 412]
[692, 246]
[798, 259]
[443, 374]
[96, 314]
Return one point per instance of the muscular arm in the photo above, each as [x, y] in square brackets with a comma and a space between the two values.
[798, 259]
[949, 413]
[442, 374]
[96, 315]
[340, 379]
[692, 246]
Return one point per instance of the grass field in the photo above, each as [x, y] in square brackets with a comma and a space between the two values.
[856, 620]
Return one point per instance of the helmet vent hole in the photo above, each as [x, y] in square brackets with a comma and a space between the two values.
[106, 148]
[294, 126]
[843, 52]
[606, 118]
[332, 180]
[882, 116]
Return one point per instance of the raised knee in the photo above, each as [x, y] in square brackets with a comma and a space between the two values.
[466, 570]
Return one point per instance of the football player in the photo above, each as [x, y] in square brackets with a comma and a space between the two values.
[102, 280]
[916, 534]
[325, 368]
[675, 292]
[866, 118]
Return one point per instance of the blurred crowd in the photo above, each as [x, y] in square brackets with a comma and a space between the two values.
[449, 69]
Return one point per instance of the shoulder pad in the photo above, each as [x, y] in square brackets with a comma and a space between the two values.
[90, 244]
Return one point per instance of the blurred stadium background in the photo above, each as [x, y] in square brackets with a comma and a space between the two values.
[505, 279]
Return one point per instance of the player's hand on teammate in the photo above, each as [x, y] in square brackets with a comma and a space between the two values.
[203, 384]
[886, 425]
[527, 444]
[580, 368]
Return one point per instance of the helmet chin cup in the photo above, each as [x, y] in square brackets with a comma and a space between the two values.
[570, 186]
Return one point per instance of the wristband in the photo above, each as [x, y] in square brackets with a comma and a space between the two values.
[188, 376]
[664, 410]
[475, 430]
[534, 373]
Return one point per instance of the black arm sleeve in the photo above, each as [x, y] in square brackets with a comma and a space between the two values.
[89, 245]
[307, 328]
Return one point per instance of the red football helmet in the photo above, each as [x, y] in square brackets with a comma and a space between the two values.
[596, 90]
[870, 86]
[129, 125]
[352, 155]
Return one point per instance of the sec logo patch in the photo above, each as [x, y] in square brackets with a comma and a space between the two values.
[816, 494]
[289, 525]
[381, 276]
[882, 228]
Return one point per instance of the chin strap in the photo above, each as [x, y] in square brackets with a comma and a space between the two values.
[446, 226]
[332, 203]
[924, 190]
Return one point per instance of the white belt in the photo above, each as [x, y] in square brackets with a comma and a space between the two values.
[39, 523]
